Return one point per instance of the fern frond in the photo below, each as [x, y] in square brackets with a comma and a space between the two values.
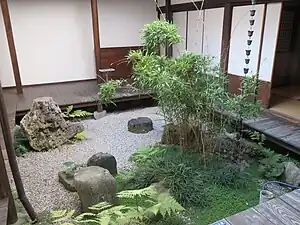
[131, 194]
[81, 136]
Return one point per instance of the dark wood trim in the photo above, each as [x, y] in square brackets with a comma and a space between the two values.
[186, 30]
[169, 18]
[96, 35]
[11, 45]
[226, 34]
[215, 4]
[262, 37]
[264, 90]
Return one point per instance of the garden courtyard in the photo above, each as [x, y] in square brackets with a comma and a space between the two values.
[189, 160]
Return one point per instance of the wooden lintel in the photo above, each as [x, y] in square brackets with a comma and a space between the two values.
[11, 45]
[96, 36]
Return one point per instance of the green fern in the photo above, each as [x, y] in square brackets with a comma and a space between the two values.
[70, 114]
[136, 207]
[81, 136]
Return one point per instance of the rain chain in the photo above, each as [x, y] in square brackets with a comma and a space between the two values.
[250, 39]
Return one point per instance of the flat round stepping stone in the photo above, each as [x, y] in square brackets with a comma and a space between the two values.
[140, 125]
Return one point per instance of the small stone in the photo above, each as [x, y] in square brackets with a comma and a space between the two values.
[67, 182]
[105, 161]
[99, 115]
[140, 125]
[94, 185]
[291, 174]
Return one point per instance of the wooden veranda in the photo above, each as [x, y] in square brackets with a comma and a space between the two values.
[284, 210]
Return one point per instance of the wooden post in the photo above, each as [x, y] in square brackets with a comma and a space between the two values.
[4, 121]
[11, 45]
[169, 18]
[5, 191]
[96, 35]
[226, 37]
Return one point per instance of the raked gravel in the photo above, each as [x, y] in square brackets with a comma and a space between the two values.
[109, 134]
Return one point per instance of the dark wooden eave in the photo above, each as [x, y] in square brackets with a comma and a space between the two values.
[217, 3]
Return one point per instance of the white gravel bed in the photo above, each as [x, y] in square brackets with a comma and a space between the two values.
[109, 134]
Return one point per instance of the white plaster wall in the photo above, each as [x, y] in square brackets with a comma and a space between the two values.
[195, 31]
[270, 41]
[239, 36]
[54, 39]
[174, 2]
[161, 2]
[120, 21]
[180, 19]
[213, 27]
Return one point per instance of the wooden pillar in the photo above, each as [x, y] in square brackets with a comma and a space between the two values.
[7, 136]
[96, 35]
[11, 45]
[169, 18]
[5, 191]
[226, 37]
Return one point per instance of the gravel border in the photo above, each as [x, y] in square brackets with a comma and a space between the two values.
[109, 134]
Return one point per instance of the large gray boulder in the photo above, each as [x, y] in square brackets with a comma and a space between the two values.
[94, 185]
[140, 125]
[46, 127]
[291, 174]
[104, 160]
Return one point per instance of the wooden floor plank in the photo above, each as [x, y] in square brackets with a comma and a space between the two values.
[279, 212]
[248, 217]
[292, 199]
[267, 124]
[222, 222]
[283, 131]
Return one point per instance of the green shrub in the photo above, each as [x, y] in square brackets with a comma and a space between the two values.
[21, 142]
[272, 166]
[230, 176]
[179, 172]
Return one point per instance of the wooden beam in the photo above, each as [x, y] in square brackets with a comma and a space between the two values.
[226, 37]
[169, 18]
[11, 45]
[96, 36]
[214, 4]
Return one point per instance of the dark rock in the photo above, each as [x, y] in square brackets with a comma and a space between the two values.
[67, 182]
[46, 127]
[105, 161]
[94, 185]
[140, 125]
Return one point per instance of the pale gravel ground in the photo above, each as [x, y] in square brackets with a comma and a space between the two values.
[109, 134]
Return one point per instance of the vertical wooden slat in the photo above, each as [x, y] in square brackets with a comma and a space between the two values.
[96, 35]
[169, 18]
[226, 37]
[11, 45]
